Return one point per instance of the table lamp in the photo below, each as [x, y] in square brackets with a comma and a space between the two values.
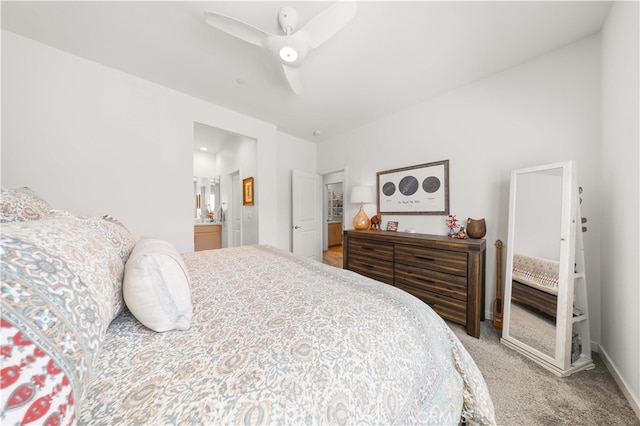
[361, 194]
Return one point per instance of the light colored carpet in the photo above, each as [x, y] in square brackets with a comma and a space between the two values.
[524, 393]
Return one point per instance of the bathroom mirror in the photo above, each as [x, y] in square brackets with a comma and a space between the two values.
[206, 192]
[539, 313]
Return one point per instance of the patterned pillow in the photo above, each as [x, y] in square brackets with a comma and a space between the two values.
[113, 230]
[22, 204]
[61, 287]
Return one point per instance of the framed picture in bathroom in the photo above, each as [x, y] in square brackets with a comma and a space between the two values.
[247, 191]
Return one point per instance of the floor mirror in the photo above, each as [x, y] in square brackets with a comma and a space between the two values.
[546, 314]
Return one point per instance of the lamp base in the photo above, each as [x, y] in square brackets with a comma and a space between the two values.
[361, 221]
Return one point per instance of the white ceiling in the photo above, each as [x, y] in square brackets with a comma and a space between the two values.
[392, 55]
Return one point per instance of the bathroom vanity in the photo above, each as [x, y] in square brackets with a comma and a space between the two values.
[207, 236]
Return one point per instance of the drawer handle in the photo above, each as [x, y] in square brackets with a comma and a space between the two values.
[366, 265]
[430, 259]
[426, 280]
[368, 248]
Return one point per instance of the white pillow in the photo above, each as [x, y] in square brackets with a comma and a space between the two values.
[156, 286]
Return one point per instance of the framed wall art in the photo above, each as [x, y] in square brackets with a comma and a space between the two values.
[247, 191]
[421, 189]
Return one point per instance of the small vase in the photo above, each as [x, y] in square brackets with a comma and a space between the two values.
[476, 228]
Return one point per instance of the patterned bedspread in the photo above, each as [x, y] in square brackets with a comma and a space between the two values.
[276, 339]
[542, 274]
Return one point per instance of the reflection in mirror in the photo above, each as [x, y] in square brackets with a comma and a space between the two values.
[535, 260]
[207, 199]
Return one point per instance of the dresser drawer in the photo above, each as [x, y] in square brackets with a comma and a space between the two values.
[373, 259]
[448, 308]
[371, 267]
[453, 286]
[451, 262]
[371, 249]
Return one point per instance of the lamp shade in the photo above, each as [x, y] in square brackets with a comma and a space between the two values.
[362, 194]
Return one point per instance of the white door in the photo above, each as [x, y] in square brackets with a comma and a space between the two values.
[306, 217]
[236, 209]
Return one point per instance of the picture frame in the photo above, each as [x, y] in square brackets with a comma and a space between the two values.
[420, 189]
[247, 191]
[392, 226]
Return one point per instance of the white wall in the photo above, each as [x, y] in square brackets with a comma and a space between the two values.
[620, 294]
[93, 140]
[293, 154]
[544, 111]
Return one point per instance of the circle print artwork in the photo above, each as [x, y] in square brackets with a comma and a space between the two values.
[388, 189]
[408, 185]
[431, 184]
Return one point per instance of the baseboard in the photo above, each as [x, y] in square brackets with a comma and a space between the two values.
[488, 316]
[633, 399]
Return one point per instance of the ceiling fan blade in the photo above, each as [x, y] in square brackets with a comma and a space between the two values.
[294, 77]
[330, 21]
[236, 28]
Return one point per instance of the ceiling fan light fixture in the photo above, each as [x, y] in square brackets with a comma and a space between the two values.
[288, 54]
[290, 48]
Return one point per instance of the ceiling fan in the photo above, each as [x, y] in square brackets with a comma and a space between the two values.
[292, 47]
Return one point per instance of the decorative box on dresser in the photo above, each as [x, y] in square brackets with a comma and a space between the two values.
[446, 273]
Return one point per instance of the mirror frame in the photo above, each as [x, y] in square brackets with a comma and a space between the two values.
[561, 360]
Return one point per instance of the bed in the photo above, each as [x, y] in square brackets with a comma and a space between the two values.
[265, 337]
[535, 283]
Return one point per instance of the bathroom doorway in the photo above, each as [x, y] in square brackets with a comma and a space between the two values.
[224, 156]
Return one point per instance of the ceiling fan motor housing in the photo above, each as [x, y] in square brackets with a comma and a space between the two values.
[288, 19]
[290, 49]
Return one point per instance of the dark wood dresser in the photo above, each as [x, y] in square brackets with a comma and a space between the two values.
[446, 273]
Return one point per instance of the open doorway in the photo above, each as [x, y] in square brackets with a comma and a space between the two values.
[225, 158]
[333, 217]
